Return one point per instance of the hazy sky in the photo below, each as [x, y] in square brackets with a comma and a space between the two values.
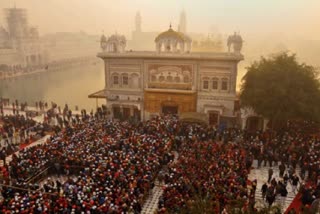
[300, 18]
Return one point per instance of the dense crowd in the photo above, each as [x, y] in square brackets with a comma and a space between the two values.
[216, 172]
[118, 164]
[112, 166]
[15, 130]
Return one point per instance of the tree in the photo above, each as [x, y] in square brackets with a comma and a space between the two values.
[281, 89]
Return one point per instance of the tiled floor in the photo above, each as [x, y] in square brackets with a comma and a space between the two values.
[261, 174]
[151, 204]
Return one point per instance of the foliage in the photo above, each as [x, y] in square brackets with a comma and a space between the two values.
[280, 89]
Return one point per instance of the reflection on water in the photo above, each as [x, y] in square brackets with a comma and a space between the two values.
[71, 86]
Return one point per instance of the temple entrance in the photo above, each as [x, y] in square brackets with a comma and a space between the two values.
[137, 114]
[213, 118]
[169, 110]
[116, 112]
[126, 112]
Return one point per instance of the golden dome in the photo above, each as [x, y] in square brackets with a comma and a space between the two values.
[172, 34]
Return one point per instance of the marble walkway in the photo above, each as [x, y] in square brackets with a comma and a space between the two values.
[151, 204]
[261, 174]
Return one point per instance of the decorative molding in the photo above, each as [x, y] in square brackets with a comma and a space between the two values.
[203, 97]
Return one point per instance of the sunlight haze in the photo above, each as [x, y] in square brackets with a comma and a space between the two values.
[287, 17]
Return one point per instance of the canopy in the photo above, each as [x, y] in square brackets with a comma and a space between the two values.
[194, 117]
[99, 94]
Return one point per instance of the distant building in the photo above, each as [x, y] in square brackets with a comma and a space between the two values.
[19, 42]
[142, 40]
[183, 23]
[170, 80]
[209, 44]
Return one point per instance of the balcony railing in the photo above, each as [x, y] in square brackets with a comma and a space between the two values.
[179, 86]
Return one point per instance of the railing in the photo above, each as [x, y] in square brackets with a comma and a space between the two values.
[39, 177]
[165, 85]
[46, 172]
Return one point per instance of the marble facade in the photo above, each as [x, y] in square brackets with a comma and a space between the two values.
[143, 84]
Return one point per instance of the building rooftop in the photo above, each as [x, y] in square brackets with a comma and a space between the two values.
[172, 55]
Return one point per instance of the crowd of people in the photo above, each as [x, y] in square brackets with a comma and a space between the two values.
[15, 130]
[111, 166]
[207, 170]
[16, 106]
[118, 163]
[17, 127]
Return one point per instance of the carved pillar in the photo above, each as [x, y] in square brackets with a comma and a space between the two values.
[189, 46]
[131, 111]
[142, 116]
[106, 74]
[121, 110]
[182, 46]
[111, 110]
[234, 78]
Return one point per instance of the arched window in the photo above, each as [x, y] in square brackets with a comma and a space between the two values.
[177, 79]
[115, 79]
[205, 83]
[215, 83]
[161, 78]
[153, 78]
[224, 84]
[135, 81]
[125, 80]
[186, 79]
[169, 79]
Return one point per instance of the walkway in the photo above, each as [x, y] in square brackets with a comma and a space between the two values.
[8, 110]
[261, 174]
[151, 204]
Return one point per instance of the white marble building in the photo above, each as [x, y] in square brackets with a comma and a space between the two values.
[171, 79]
[20, 43]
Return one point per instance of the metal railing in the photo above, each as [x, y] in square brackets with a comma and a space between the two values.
[39, 176]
